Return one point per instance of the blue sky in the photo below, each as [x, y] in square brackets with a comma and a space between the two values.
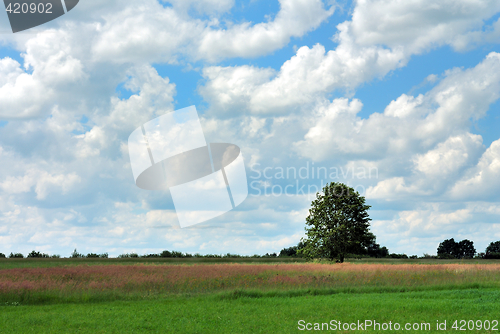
[407, 89]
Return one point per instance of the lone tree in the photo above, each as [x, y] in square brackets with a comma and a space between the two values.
[337, 225]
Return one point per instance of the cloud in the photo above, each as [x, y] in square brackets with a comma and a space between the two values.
[425, 227]
[381, 37]
[418, 25]
[87, 81]
[409, 124]
[156, 33]
[295, 18]
[481, 181]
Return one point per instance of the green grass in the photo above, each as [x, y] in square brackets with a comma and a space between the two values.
[256, 296]
[237, 313]
[49, 263]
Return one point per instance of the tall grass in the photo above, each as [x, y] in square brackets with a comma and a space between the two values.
[111, 282]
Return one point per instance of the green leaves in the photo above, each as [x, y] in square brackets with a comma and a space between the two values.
[338, 224]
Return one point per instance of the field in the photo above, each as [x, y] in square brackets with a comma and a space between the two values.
[264, 296]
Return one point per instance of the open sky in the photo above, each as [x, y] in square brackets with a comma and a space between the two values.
[398, 99]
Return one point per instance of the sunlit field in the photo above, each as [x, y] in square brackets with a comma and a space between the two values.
[59, 294]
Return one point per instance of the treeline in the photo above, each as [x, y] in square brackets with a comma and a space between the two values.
[448, 249]
[163, 254]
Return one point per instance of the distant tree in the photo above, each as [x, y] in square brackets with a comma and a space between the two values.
[493, 251]
[16, 256]
[177, 254]
[76, 255]
[2, 256]
[166, 253]
[337, 225]
[151, 255]
[35, 254]
[291, 251]
[398, 256]
[466, 249]
[374, 250]
[448, 249]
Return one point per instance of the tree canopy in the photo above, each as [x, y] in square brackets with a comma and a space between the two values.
[337, 225]
[449, 249]
[493, 250]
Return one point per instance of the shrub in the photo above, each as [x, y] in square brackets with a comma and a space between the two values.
[413, 257]
[55, 256]
[2, 256]
[103, 255]
[92, 255]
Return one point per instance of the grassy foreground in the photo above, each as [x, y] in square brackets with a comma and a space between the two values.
[161, 297]
[232, 313]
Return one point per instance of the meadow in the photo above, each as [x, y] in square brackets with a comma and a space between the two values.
[139, 295]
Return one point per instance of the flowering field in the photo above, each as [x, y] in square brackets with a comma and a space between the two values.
[112, 282]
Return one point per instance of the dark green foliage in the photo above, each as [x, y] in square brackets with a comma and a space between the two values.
[76, 255]
[374, 250]
[337, 225]
[291, 251]
[96, 256]
[233, 256]
[35, 254]
[2, 256]
[151, 255]
[270, 255]
[493, 251]
[494, 247]
[16, 256]
[450, 249]
[466, 249]
[177, 254]
[398, 256]
[166, 253]
[126, 256]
